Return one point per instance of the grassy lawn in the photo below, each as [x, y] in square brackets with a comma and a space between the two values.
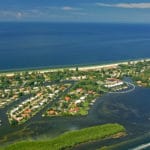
[70, 139]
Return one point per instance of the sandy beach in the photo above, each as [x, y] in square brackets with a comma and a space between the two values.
[81, 68]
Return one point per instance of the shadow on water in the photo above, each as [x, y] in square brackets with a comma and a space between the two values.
[129, 109]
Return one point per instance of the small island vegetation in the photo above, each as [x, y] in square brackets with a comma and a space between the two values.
[72, 138]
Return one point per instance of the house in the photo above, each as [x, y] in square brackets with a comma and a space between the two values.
[18, 119]
[113, 82]
[15, 96]
[51, 95]
[25, 115]
[78, 101]
[39, 94]
[82, 98]
[27, 111]
[77, 78]
[79, 90]
[51, 112]
[74, 110]
[67, 98]
[90, 92]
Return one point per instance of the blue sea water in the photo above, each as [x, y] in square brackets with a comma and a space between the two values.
[28, 45]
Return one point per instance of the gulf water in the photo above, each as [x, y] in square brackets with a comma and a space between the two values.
[30, 45]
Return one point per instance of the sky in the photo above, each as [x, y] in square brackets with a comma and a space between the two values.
[128, 11]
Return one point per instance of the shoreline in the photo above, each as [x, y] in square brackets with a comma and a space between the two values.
[72, 67]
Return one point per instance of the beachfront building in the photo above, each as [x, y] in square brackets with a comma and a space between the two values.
[113, 82]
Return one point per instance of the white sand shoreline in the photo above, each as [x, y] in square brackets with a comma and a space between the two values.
[81, 68]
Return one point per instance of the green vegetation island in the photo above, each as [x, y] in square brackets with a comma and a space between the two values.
[67, 92]
[72, 138]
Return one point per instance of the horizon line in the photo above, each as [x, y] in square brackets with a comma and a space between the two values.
[61, 22]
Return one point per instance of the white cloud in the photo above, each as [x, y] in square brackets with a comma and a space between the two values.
[126, 5]
[9, 13]
[67, 8]
[19, 14]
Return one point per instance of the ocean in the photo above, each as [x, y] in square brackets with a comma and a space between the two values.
[32, 45]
